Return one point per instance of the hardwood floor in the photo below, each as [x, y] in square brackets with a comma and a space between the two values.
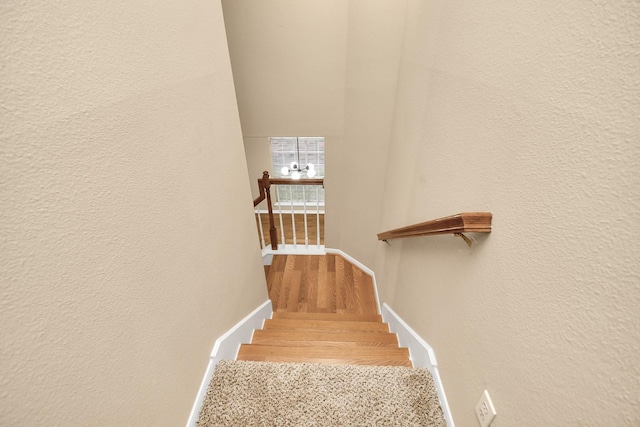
[352, 339]
[324, 312]
[312, 226]
[319, 284]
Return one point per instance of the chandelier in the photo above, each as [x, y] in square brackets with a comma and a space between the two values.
[294, 167]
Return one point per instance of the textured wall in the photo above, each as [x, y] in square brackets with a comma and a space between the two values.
[322, 68]
[526, 109]
[258, 155]
[374, 44]
[531, 111]
[288, 60]
[120, 140]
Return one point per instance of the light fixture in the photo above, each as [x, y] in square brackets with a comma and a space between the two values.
[294, 167]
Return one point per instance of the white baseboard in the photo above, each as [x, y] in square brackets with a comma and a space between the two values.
[226, 348]
[422, 354]
[291, 249]
[286, 210]
[267, 259]
[361, 267]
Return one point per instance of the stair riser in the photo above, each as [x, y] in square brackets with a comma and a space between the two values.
[324, 352]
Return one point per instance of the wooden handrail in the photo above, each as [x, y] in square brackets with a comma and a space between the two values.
[264, 184]
[476, 222]
[303, 181]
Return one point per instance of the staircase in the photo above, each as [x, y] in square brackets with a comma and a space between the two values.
[325, 320]
[353, 339]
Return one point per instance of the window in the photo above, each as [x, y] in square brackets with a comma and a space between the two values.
[307, 149]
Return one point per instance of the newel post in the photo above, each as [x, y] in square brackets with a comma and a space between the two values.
[273, 234]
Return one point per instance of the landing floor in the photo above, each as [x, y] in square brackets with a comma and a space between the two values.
[319, 284]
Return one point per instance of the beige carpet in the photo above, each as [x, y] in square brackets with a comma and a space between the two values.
[305, 394]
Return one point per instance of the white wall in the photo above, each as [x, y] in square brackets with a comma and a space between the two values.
[530, 111]
[288, 59]
[355, 184]
[120, 138]
[321, 68]
[258, 155]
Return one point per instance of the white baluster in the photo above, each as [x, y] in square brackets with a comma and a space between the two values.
[306, 228]
[280, 215]
[293, 219]
[318, 214]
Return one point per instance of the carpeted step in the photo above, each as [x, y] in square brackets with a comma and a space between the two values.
[326, 354]
[291, 394]
[324, 325]
[328, 316]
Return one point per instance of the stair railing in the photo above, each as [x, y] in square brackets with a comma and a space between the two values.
[265, 184]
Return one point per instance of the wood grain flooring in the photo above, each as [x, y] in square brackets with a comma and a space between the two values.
[319, 284]
[324, 312]
[351, 339]
[298, 220]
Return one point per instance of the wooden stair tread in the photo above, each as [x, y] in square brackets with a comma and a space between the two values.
[326, 325]
[300, 339]
[324, 352]
[310, 335]
[324, 311]
[328, 316]
[372, 361]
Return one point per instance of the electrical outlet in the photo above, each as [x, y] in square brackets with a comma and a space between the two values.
[485, 411]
